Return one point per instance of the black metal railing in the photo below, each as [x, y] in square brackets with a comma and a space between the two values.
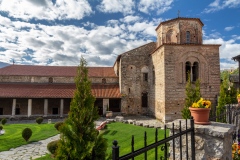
[163, 144]
[227, 115]
[230, 114]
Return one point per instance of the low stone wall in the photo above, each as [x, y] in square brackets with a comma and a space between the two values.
[212, 142]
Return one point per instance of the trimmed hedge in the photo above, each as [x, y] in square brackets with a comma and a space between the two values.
[26, 134]
[52, 147]
[4, 121]
[58, 125]
[39, 120]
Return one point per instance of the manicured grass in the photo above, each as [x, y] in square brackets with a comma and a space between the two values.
[13, 134]
[123, 134]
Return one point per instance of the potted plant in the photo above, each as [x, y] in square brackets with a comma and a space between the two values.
[108, 112]
[238, 98]
[200, 111]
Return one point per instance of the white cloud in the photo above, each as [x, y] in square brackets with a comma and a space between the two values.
[130, 19]
[115, 6]
[64, 45]
[228, 28]
[155, 6]
[228, 49]
[221, 4]
[45, 9]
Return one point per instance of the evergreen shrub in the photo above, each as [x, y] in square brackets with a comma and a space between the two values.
[4, 121]
[57, 125]
[39, 120]
[52, 147]
[26, 134]
[1, 127]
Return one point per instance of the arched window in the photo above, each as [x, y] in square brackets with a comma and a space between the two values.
[50, 80]
[192, 71]
[144, 71]
[187, 37]
[188, 69]
[195, 71]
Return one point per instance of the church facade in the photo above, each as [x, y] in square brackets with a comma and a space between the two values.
[149, 80]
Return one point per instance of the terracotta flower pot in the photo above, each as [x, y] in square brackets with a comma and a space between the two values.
[200, 115]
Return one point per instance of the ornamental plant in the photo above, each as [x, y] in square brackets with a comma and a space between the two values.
[238, 96]
[201, 104]
[79, 139]
[39, 120]
[26, 134]
[235, 151]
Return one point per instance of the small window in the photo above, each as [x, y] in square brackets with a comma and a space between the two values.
[144, 100]
[104, 81]
[54, 111]
[145, 77]
[17, 111]
[50, 80]
[187, 37]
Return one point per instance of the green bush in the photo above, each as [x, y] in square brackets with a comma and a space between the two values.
[39, 120]
[1, 127]
[52, 147]
[58, 125]
[26, 134]
[4, 121]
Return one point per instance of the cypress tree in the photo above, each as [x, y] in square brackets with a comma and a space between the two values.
[192, 95]
[79, 138]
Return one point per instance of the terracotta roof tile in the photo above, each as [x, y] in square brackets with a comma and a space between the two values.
[65, 71]
[180, 18]
[22, 90]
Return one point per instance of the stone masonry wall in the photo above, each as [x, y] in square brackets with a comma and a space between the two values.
[157, 92]
[175, 79]
[132, 82]
[212, 142]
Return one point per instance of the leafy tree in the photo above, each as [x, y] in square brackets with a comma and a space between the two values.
[192, 95]
[227, 95]
[79, 138]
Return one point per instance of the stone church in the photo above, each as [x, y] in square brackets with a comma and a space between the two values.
[148, 80]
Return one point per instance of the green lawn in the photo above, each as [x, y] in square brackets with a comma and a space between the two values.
[13, 134]
[123, 134]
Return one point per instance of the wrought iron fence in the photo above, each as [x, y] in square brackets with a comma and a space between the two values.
[162, 144]
[230, 114]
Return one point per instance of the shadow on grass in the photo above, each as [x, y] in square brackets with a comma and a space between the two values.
[113, 133]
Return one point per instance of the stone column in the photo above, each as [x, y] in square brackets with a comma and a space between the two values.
[61, 107]
[13, 107]
[45, 107]
[29, 107]
[212, 142]
[105, 105]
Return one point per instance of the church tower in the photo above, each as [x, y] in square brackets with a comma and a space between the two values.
[179, 50]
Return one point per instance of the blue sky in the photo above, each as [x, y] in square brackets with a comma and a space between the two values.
[59, 32]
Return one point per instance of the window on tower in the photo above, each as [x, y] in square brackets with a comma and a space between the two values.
[192, 70]
[145, 77]
[187, 37]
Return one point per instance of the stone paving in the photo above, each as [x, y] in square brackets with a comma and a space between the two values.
[37, 149]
